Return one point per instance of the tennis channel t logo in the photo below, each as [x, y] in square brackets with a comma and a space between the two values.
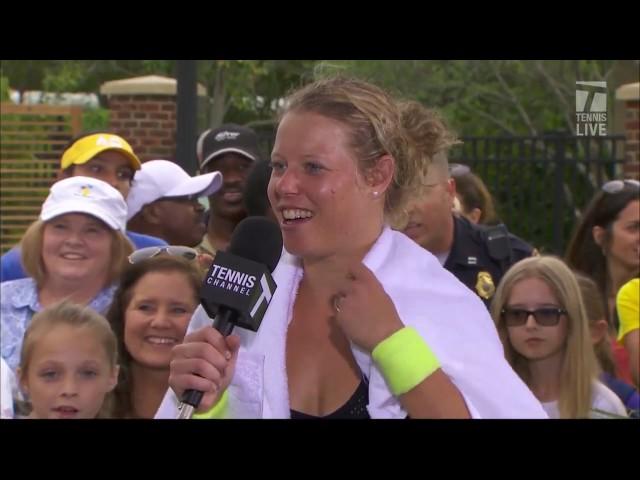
[591, 109]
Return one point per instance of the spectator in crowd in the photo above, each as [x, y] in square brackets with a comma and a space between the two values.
[605, 245]
[68, 363]
[75, 250]
[477, 256]
[475, 201]
[150, 313]
[629, 316]
[231, 150]
[540, 317]
[99, 155]
[163, 202]
[600, 335]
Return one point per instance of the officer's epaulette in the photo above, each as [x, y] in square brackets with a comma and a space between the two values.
[519, 245]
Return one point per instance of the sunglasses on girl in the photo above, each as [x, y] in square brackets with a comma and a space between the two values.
[545, 316]
[173, 250]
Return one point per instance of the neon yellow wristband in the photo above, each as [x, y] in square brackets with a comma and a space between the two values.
[405, 360]
[219, 410]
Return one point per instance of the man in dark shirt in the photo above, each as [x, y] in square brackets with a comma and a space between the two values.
[231, 150]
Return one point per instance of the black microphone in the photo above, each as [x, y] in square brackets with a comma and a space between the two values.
[239, 285]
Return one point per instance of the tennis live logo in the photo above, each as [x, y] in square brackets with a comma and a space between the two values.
[591, 109]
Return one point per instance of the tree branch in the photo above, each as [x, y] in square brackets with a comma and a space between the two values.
[515, 101]
[554, 87]
[218, 106]
[489, 117]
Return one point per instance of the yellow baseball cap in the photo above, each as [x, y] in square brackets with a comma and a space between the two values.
[85, 148]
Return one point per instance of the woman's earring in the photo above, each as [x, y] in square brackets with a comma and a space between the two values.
[375, 194]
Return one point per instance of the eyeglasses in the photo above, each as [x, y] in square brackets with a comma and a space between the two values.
[173, 250]
[545, 316]
[616, 186]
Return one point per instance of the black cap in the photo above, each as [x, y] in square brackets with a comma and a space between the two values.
[224, 139]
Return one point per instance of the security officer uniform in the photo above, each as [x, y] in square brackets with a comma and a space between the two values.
[480, 255]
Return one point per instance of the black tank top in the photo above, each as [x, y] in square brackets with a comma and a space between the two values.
[355, 407]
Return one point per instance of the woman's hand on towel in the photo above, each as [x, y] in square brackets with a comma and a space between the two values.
[363, 310]
[205, 361]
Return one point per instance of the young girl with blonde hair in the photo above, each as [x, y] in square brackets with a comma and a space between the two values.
[541, 320]
[68, 363]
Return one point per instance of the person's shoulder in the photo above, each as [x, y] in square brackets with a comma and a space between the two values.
[627, 306]
[551, 409]
[482, 241]
[497, 234]
[623, 390]
[630, 292]
[141, 240]
[13, 287]
[11, 254]
[605, 400]
[468, 230]
[519, 245]
[15, 294]
[11, 265]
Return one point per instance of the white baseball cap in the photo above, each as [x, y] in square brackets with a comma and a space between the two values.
[164, 179]
[86, 195]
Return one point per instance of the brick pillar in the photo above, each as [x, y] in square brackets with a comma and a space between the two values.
[143, 112]
[630, 95]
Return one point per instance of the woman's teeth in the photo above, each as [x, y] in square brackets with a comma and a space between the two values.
[294, 214]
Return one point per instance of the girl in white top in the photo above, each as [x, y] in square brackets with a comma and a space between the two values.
[541, 320]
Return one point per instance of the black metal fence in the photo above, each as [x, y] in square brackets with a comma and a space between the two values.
[540, 184]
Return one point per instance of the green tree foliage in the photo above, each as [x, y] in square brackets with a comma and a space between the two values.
[238, 90]
[512, 98]
[248, 90]
[486, 97]
[77, 75]
[95, 119]
[478, 97]
[4, 89]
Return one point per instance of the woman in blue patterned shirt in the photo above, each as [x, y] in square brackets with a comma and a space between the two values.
[74, 251]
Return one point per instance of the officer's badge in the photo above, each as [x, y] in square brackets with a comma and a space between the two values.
[485, 286]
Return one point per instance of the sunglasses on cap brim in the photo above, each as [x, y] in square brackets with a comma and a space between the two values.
[458, 169]
[616, 186]
[173, 250]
